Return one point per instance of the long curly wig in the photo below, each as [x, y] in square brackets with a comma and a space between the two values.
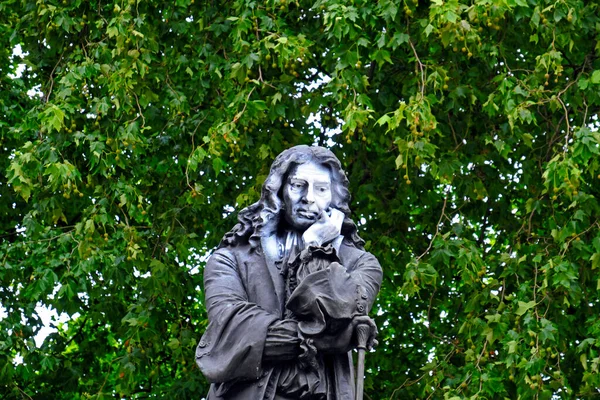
[262, 218]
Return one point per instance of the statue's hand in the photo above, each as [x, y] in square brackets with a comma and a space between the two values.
[373, 332]
[282, 342]
[345, 340]
[325, 229]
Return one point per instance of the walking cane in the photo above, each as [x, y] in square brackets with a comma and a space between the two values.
[362, 333]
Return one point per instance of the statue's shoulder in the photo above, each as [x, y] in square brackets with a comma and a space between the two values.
[233, 253]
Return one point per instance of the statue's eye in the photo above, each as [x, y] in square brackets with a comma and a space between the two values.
[322, 189]
[296, 185]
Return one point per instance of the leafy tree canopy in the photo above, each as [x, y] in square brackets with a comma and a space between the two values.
[132, 131]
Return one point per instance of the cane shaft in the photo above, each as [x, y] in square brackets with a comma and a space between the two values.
[360, 374]
[362, 333]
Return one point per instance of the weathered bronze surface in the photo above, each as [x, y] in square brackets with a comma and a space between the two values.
[288, 287]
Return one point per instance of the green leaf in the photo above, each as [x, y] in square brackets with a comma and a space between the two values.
[53, 117]
[399, 161]
[548, 330]
[385, 119]
[450, 17]
[428, 29]
[595, 259]
[524, 307]
[398, 39]
[264, 151]
[218, 165]
[583, 360]
[47, 363]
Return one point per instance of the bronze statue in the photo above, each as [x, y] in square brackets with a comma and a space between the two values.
[287, 288]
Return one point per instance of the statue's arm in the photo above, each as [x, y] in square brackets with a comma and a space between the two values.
[332, 299]
[282, 342]
[233, 344]
[364, 270]
[367, 273]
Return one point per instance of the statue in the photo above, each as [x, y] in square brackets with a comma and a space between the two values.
[288, 287]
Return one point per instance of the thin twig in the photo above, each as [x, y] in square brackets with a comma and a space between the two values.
[453, 133]
[238, 115]
[583, 123]
[437, 229]
[407, 382]
[52, 79]
[420, 67]
[567, 122]
[577, 236]
[22, 392]
[187, 166]
[107, 374]
[140, 109]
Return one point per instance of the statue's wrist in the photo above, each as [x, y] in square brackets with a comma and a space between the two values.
[311, 239]
[325, 251]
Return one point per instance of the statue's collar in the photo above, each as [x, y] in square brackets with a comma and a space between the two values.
[279, 246]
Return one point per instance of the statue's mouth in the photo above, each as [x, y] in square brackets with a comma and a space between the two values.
[308, 214]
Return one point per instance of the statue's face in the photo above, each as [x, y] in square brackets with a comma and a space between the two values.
[306, 193]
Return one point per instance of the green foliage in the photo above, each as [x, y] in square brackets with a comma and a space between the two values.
[466, 128]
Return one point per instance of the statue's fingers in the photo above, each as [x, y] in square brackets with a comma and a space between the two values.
[374, 333]
[372, 344]
[324, 217]
[337, 215]
[364, 319]
[375, 330]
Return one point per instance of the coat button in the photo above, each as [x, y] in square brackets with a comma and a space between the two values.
[361, 308]
[202, 344]
[363, 296]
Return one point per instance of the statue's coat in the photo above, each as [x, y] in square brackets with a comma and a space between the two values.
[243, 292]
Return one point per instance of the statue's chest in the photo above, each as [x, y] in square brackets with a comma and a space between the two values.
[264, 285]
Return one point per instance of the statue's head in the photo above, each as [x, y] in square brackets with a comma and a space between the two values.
[282, 205]
[307, 194]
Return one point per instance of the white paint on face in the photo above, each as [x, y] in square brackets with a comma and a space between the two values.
[306, 193]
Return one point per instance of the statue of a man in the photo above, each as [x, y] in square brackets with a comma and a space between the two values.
[287, 288]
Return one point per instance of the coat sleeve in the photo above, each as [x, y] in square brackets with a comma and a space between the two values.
[330, 294]
[367, 273]
[233, 344]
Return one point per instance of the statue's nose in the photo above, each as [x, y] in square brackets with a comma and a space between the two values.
[309, 196]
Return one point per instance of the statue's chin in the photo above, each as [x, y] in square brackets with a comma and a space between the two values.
[301, 224]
